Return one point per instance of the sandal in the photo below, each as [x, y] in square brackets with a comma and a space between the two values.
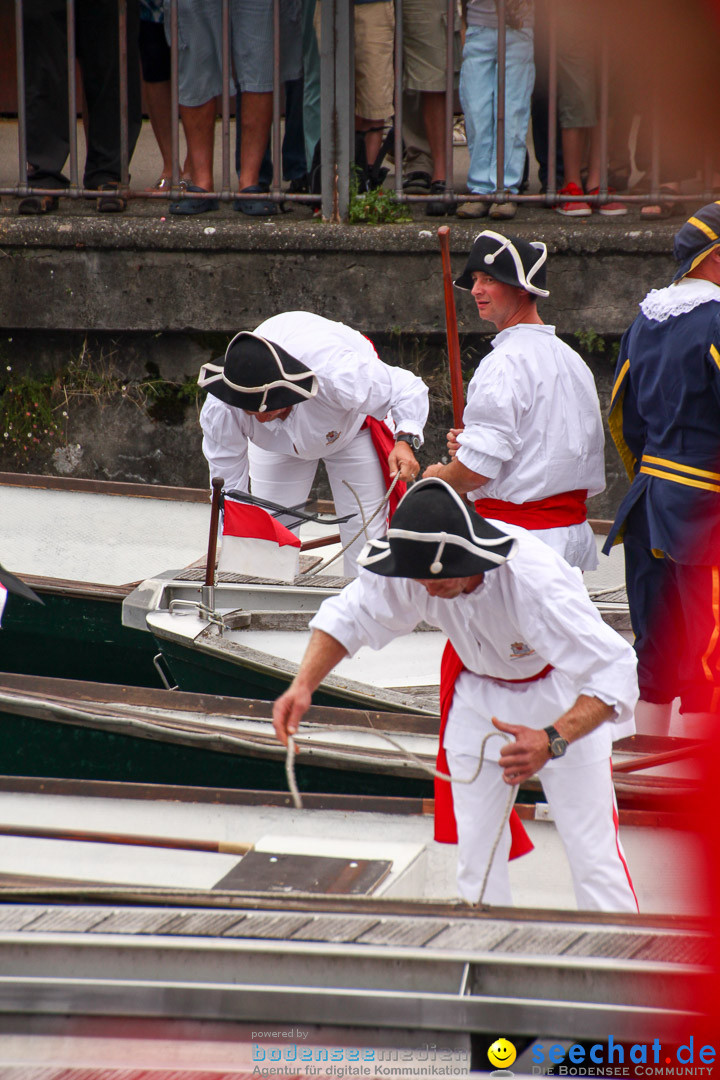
[194, 206]
[255, 207]
[38, 204]
[663, 210]
[113, 202]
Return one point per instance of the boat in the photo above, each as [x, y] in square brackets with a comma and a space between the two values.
[169, 928]
[80, 730]
[84, 546]
[248, 650]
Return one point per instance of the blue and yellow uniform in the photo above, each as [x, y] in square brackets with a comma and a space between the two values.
[665, 421]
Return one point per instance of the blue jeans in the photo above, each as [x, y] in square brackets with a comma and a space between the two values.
[478, 96]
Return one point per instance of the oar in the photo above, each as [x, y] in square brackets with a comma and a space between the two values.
[320, 541]
[453, 341]
[183, 843]
[208, 589]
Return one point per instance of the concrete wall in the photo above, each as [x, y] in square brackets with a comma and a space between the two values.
[214, 274]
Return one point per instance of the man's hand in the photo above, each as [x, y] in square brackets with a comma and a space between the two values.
[403, 461]
[452, 443]
[457, 475]
[525, 756]
[289, 710]
[321, 656]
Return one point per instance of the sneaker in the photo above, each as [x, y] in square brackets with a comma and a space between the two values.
[573, 209]
[417, 183]
[438, 207]
[609, 209]
[503, 211]
[300, 185]
[473, 210]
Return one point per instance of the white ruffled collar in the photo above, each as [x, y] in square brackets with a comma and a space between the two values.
[677, 299]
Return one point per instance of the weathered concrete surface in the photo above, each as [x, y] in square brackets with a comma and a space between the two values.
[214, 273]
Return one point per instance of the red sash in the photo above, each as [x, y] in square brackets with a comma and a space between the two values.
[445, 824]
[567, 508]
[384, 441]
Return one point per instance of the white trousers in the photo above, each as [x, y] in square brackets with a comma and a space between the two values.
[582, 801]
[287, 480]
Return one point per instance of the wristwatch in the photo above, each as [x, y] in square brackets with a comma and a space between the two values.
[556, 744]
[412, 440]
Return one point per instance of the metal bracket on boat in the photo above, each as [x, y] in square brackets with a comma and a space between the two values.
[158, 662]
[197, 607]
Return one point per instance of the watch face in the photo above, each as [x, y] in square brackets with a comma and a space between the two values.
[558, 746]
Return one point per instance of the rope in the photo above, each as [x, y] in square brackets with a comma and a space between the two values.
[317, 569]
[297, 799]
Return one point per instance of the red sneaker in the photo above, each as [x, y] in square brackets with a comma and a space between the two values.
[573, 209]
[609, 209]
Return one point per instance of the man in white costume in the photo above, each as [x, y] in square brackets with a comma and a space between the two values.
[300, 389]
[533, 646]
[531, 450]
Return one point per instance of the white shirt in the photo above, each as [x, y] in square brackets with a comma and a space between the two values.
[530, 612]
[353, 383]
[532, 419]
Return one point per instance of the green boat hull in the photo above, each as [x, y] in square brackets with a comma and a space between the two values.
[75, 637]
[34, 747]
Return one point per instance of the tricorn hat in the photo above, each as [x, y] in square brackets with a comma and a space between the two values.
[508, 259]
[258, 376]
[435, 534]
[696, 239]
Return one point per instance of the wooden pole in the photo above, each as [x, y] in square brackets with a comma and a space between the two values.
[217, 485]
[453, 341]
[181, 843]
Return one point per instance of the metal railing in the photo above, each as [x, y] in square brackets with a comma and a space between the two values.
[337, 119]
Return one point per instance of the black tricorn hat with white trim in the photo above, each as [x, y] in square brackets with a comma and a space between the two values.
[508, 259]
[435, 534]
[258, 376]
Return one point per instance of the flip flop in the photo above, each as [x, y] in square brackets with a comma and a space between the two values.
[193, 206]
[255, 207]
[38, 204]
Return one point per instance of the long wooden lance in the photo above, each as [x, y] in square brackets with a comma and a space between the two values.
[453, 341]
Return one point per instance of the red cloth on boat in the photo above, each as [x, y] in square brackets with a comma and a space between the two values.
[566, 508]
[384, 441]
[445, 825]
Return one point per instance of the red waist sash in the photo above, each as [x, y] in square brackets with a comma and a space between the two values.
[445, 824]
[384, 442]
[567, 508]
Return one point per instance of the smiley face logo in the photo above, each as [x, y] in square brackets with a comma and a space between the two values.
[502, 1054]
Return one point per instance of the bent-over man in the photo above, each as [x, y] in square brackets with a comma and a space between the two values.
[540, 667]
[531, 450]
[301, 389]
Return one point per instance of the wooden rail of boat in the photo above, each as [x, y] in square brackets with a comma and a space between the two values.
[210, 722]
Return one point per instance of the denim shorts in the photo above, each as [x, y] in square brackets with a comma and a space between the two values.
[251, 46]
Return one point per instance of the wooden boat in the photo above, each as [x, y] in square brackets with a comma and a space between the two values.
[79, 730]
[183, 912]
[254, 652]
[84, 546]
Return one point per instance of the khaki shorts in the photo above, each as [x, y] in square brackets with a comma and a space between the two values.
[374, 56]
[577, 74]
[425, 44]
